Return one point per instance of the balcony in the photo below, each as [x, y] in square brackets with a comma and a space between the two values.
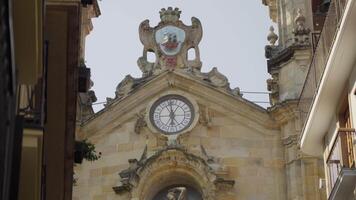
[31, 102]
[322, 43]
[330, 68]
[341, 165]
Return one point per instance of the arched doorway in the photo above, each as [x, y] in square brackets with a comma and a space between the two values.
[179, 182]
[177, 172]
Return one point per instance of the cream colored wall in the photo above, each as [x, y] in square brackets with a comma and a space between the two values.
[257, 149]
[302, 171]
[251, 154]
[331, 135]
[352, 95]
[31, 165]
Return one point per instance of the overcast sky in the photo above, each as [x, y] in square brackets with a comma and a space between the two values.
[234, 36]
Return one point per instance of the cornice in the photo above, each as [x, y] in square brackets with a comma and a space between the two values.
[284, 111]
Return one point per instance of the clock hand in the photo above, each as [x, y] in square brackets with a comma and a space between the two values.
[171, 114]
[170, 104]
[167, 122]
[176, 121]
[175, 109]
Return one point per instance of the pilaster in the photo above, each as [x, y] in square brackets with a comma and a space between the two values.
[302, 172]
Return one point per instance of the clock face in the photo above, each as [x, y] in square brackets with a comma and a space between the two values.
[172, 114]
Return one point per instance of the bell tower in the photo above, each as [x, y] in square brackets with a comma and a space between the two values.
[288, 61]
[288, 57]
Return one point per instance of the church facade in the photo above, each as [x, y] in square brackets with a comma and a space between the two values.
[179, 133]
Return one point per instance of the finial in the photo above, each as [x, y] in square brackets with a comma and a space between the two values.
[301, 33]
[272, 37]
[299, 19]
[170, 14]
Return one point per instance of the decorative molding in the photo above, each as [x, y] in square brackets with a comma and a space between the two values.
[178, 39]
[272, 37]
[273, 87]
[284, 111]
[206, 116]
[272, 5]
[140, 123]
[135, 177]
[184, 85]
[301, 33]
[217, 78]
[124, 86]
[291, 140]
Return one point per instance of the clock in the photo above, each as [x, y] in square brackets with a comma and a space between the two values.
[171, 114]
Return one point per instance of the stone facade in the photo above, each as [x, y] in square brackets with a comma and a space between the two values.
[233, 149]
[240, 140]
[288, 63]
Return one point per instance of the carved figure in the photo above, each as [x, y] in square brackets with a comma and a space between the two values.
[177, 193]
[272, 37]
[124, 86]
[301, 33]
[217, 78]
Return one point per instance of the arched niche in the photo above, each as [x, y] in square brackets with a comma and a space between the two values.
[174, 167]
[191, 54]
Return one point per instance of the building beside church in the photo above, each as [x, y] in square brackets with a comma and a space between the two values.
[328, 101]
[179, 133]
[327, 98]
[42, 44]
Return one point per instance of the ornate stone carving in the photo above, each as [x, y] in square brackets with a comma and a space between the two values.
[177, 193]
[236, 92]
[140, 123]
[92, 97]
[128, 84]
[205, 116]
[170, 15]
[273, 11]
[124, 86]
[301, 33]
[170, 40]
[290, 140]
[223, 184]
[145, 66]
[217, 78]
[137, 178]
[108, 101]
[129, 176]
[272, 86]
[272, 37]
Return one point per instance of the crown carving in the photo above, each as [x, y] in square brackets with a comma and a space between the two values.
[170, 14]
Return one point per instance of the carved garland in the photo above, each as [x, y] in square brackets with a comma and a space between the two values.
[142, 178]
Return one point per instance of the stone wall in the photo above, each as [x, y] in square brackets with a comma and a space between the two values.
[247, 152]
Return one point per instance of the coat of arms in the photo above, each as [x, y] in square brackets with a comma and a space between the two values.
[170, 39]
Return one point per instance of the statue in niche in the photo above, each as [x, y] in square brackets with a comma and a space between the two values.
[177, 193]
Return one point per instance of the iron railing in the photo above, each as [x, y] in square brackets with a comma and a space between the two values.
[320, 56]
[342, 155]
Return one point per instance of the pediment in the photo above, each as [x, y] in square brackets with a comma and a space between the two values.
[206, 94]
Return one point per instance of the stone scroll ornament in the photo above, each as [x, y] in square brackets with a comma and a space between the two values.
[203, 168]
[170, 41]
